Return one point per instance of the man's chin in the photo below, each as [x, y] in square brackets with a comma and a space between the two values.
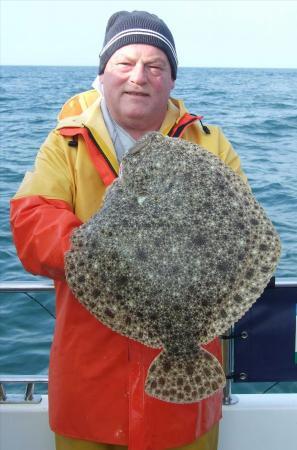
[137, 114]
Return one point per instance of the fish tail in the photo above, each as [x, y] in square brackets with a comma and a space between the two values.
[181, 379]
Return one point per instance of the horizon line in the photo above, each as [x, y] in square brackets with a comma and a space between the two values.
[180, 67]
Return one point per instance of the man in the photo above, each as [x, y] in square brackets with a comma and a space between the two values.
[96, 377]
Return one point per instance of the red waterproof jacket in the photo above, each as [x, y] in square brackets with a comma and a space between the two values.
[96, 376]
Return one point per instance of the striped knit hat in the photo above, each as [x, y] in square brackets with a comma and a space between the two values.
[137, 27]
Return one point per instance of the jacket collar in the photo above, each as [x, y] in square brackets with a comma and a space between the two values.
[175, 111]
[92, 119]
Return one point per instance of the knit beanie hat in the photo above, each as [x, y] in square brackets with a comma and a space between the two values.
[137, 27]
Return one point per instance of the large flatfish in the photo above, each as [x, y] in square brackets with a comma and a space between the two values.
[180, 251]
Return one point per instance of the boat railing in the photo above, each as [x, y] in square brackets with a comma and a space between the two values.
[30, 380]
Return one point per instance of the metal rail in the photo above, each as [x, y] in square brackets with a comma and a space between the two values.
[37, 286]
[29, 381]
[25, 286]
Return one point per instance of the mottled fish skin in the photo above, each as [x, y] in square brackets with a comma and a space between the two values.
[179, 252]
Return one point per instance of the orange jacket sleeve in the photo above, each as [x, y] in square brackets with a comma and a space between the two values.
[41, 230]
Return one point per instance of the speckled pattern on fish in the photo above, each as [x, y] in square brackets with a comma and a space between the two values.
[179, 252]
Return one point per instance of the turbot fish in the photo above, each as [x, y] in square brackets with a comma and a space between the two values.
[178, 253]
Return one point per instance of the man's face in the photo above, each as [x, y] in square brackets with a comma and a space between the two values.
[137, 83]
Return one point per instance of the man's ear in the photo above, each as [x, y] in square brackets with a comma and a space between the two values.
[101, 82]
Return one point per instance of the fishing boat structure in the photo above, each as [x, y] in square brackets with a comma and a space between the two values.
[262, 346]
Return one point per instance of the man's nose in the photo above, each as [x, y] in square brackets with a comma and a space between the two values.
[138, 74]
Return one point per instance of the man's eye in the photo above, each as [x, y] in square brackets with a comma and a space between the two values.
[155, 69]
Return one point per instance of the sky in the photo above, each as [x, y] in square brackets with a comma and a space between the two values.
[207, 33]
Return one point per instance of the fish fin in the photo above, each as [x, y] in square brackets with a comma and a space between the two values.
[181, 379]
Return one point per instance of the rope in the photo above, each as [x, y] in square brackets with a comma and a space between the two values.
[40, 304]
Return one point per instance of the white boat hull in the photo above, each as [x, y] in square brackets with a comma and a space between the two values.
[256, 422]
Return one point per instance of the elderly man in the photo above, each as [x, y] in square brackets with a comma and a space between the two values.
[96, 376]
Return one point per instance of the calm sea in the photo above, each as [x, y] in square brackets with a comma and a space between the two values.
[257, 109]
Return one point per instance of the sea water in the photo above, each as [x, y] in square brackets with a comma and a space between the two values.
[257, 110]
